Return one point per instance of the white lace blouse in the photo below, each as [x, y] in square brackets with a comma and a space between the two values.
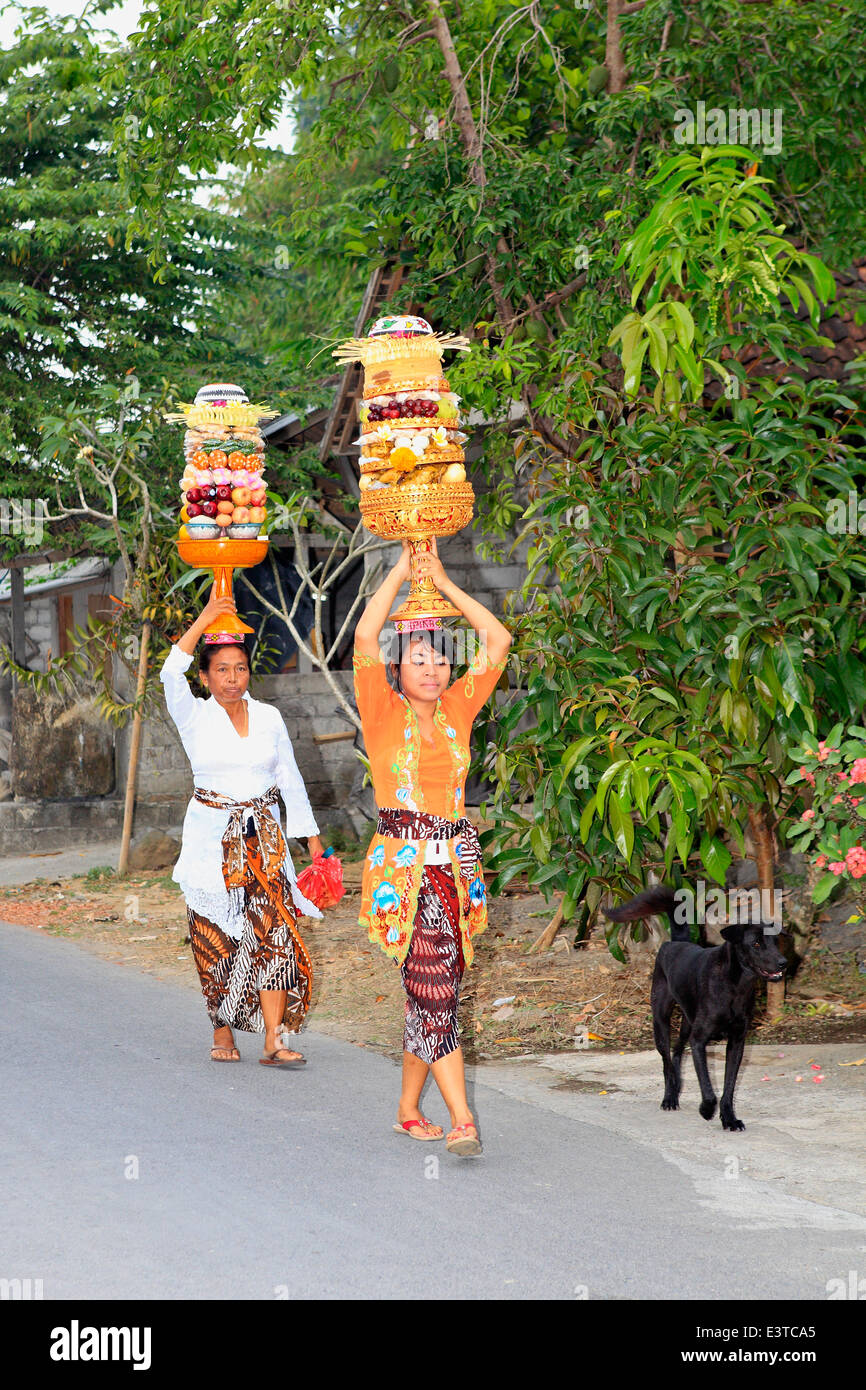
[238, 767]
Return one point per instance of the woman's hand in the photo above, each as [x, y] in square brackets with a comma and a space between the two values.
[314, 845]
[375, 615]
[403, 568]
[216, 607]
[430, 566]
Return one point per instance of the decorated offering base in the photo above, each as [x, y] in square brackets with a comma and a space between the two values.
[417, 514]
[413, 480]
[223, 556]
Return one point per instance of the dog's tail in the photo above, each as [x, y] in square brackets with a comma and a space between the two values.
[660, 898]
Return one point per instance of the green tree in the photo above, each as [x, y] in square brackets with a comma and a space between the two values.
[79, 305]
[515, 152]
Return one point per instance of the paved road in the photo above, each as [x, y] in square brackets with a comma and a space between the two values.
[258, 1184]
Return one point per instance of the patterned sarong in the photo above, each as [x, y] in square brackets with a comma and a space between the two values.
[433, 968]
[270, 954]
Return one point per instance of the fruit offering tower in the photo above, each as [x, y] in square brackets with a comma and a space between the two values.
[413, 480]
[223, 492]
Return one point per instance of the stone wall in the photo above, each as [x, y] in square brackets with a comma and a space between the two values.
[38, 827]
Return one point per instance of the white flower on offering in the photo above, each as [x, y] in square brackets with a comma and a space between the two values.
[384, 431]
[440, 436]
[419, 444]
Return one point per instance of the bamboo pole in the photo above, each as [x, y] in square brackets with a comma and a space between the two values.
[132, 770]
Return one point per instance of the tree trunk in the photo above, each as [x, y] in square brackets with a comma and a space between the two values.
[545, 941]
[471, 144]
[765, 863]
[613, 59]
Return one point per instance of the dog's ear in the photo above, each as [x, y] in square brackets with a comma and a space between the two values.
[733, 934]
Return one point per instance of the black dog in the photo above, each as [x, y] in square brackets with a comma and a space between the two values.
[714, 988]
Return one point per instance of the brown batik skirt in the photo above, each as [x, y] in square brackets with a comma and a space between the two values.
[433, 968]
[270, 954]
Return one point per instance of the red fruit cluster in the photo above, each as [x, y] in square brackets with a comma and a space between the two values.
[395, 410]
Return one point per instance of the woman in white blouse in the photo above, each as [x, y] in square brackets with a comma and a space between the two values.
[234, 868]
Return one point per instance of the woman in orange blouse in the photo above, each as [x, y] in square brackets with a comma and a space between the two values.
[423, 896]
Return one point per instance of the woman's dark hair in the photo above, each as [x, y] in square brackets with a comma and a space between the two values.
[439, 639]
[212, 649]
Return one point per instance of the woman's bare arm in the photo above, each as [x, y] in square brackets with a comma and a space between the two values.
[375, 615]
[495, 637]
[213, 609]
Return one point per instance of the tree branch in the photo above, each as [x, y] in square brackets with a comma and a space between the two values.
[613, 58]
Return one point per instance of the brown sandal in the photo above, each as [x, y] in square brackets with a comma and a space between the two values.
[291, 1059]
[225, 1047]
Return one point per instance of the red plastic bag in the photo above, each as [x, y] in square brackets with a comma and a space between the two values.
[322, 882]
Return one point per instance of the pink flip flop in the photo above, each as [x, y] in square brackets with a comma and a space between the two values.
[463, 1143]
[423, 1123]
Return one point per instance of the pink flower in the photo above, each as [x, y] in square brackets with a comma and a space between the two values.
[824, 751]
[837, 868]
[856, 861]
[809, 777]
[843, 776]
[835, 801]
[808, 815]
[858, 770]
[855, 800]
[820, 861]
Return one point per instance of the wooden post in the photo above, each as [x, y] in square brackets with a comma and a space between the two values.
[16, 579]
[132, 770]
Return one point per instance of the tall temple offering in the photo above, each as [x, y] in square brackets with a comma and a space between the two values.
[223, 493]
[413, 480]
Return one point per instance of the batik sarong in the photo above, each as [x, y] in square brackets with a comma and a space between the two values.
[270, 954]
[433, 968]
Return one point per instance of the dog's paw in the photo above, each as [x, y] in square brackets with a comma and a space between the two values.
[707, 1109]
[731, 1122]
[670, 1103]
